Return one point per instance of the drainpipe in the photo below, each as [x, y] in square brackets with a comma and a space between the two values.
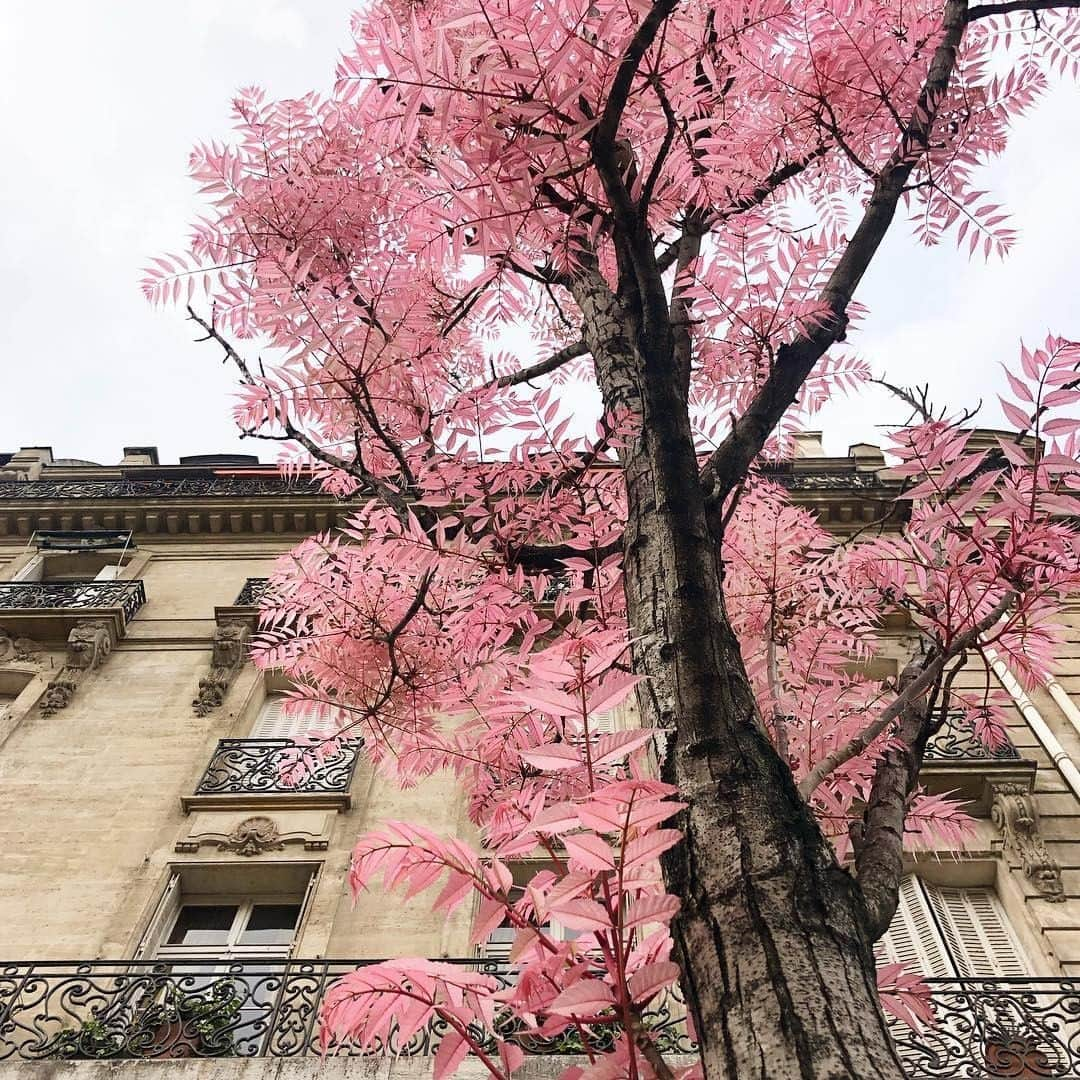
[1064, 764]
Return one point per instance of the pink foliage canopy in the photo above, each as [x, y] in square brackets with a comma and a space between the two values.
[407, 246]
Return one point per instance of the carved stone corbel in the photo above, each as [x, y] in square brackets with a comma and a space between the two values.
[88, 645]
[230, 650]
[1013, 812]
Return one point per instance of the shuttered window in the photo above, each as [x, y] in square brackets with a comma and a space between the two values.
[273, 723]
[602, 723]
[944, 932]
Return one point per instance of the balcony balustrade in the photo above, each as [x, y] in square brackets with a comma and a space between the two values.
[956, 740]
[264, 771]
[129, 596]
[166, 486]
[253, 592]
[212, 1007]
[51, 609]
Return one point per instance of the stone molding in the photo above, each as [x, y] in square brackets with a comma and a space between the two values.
[88, 645]
[1014, 812]
[230, 652]
[15, 649]
[256, 834]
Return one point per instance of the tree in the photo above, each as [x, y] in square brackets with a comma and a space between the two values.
[501, 204]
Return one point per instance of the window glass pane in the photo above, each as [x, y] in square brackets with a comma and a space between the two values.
[203, 924]
[270, 924]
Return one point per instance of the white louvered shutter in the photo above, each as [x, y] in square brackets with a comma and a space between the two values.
[161, 921]
[602, 723]
[913, 938]
[977, 932]
[273, 723]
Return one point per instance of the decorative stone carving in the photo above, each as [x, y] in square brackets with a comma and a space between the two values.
[230, 650]
[1013, 812]
[88, 645]
[253, 836]
[257, 834]
[16, 649]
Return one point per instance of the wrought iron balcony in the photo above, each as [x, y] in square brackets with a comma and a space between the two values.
[276, 770]
[200, 484]
[129, 596]
[212, 1007]
[208, 1007]
[988, 1028]
[957, 741]
[253, 592]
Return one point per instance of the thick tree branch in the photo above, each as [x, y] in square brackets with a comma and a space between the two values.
[795, 360]
[918, 686]
[702, 221]
[543, 367]
[984, 11]
[879, 855]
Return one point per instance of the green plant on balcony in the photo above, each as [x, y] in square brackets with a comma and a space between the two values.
[172, 1024]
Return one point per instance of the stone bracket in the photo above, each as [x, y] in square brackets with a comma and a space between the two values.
[1013, 811]
[230, 652]
[88, 645]
[257, 834]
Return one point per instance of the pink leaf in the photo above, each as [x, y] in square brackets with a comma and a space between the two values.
[651, 979]
[585, 998]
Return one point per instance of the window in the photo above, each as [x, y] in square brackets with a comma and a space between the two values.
[227, 912]
[273, 723]
[262, 927]
[951, 933]
[223, 950]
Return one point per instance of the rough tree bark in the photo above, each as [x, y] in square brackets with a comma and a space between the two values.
[778, 965]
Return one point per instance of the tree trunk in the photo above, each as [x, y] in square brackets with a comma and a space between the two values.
[777, 963]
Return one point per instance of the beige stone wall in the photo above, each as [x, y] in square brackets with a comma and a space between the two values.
[90, 798]
[90, 810]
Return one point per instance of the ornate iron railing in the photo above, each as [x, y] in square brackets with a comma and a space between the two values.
[209, 1007]
[997, 1028]
[957, 739]
[253, 592]
[277, 767]
[162, 488]
[205, 1007]
[38, 595]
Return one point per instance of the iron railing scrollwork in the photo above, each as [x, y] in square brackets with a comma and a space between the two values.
[129, 596]
[211, 1007]
[990, 1028]
[253, 593]
[162, 488]
[278, 766]
[956, 740]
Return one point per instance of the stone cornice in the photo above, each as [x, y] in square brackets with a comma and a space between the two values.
[843, 493]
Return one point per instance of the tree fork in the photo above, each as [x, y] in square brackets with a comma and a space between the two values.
[772, 940]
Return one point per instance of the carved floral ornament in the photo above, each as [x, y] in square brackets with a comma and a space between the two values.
[1013, 812]
[258, 834]
[88, 645]
[230, 651]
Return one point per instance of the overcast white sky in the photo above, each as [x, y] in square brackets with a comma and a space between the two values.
[102, 102]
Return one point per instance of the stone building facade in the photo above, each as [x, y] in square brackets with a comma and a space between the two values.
[143, 822]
